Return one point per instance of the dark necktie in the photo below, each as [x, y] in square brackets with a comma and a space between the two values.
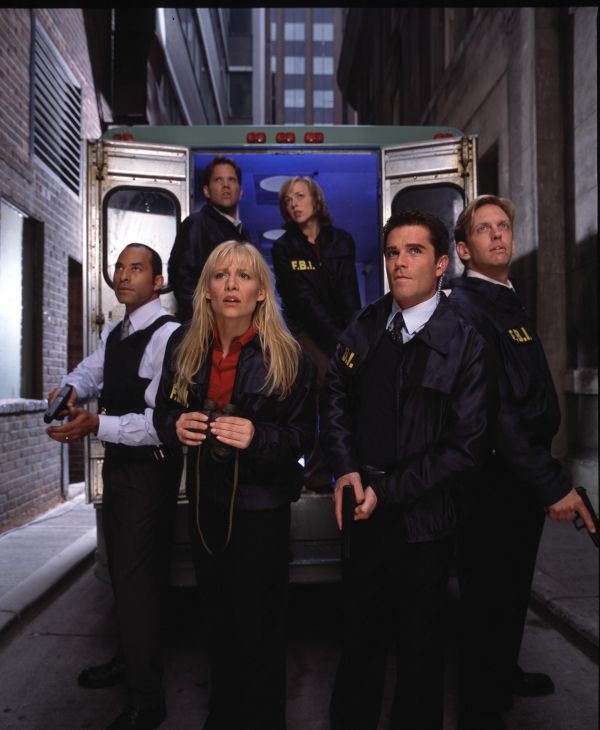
[125, 327]
[396, 328]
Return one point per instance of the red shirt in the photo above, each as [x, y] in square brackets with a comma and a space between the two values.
[223, 369]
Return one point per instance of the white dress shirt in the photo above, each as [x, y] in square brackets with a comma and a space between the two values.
[415, 318]
[477, 275]
[131, 429]
[232, 219]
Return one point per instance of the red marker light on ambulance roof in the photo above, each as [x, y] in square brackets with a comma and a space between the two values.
[123, 137]
[442, 135]
[285, 137]
[314, 137]
[256, 138]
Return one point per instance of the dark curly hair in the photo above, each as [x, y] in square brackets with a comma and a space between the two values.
[438, 233]
[220, 160]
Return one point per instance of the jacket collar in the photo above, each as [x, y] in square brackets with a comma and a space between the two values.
[250, 349]
[325, 231]
[494, 293]
[216, 215]
[437, 334]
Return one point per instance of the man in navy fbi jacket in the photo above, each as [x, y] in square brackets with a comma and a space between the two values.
[502, 514]
[405, 416]
[140, 479]
[202, 230]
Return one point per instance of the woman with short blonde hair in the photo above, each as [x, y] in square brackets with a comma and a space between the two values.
[315, 274]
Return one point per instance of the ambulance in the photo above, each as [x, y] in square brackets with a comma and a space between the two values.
[143, 180]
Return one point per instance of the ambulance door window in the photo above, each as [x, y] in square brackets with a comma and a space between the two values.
[446, 202]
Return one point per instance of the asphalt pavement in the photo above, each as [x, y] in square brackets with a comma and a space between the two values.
[36, 557]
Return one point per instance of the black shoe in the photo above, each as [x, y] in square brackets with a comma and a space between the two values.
[103, 675]
[135, 717]
[532, 684]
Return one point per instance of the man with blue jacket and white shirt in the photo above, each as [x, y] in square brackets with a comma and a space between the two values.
[406, 400]
[503, 514]
[140, 479]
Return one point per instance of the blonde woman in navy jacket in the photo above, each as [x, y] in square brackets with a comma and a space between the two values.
[237, 350]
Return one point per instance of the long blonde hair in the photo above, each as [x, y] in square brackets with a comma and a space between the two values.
[280, 350]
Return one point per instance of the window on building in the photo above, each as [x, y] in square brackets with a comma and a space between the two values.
[323, 65]
[293, 116]
[294, 99]
[323, 116]
[322, 31]
[199, 64]
[293, 15]
[323, 99]
[21, 283]
[322, 15]
[273, 30]
[293, 31]
[240, 39]
[240, 21]
[56, 113]
[294, 65]
[240, 97]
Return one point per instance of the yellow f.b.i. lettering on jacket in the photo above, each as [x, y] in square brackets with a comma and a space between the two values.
[519, 335]
[302, 265]
[182, 398]
[348, 357]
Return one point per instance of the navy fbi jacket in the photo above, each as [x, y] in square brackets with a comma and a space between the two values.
[318, 295]
[196, 237]
[269, 473]
[442, 394]
[529, 414]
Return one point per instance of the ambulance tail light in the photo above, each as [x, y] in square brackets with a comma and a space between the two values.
[314, 137]
[285, 137]
[256, 138]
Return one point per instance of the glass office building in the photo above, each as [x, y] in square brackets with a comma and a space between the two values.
[303, 47]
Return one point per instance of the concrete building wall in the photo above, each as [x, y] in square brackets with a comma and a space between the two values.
[30, 469]
[581, 382]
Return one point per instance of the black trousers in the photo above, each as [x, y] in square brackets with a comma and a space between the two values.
[243, 592]
[395, 597]
[138, 506]
[499, 535]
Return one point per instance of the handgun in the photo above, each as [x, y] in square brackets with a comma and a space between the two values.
[579, 523]
[348, 505]
[58, 404]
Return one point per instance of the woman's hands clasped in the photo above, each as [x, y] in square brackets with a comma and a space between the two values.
[192, 429]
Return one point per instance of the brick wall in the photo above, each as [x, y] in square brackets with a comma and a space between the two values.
[30, 469]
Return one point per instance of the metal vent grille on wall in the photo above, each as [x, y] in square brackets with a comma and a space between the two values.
[56, 113]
